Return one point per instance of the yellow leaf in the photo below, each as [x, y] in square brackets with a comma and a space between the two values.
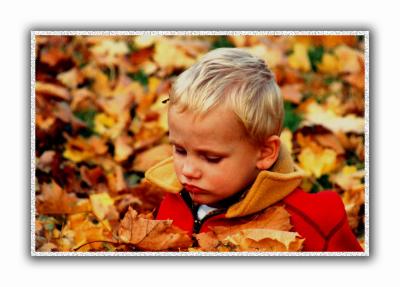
[271, 56]
[348, 178]
[71, 78]
[122, 148]
[265, 240]
[317, 162]
[108, 51]
[103, 205]
[329, 64]
[286, 138]
[144, 41]
[348, 59]
[316, 114]
[167, 55]
[299, 59]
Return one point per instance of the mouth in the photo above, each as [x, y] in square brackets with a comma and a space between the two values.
[193, 189]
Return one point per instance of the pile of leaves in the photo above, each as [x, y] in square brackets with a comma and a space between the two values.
[100, 123]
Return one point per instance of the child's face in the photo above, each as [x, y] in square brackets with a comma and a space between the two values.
[213, 158]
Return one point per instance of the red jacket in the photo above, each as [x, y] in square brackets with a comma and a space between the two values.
[320, 218]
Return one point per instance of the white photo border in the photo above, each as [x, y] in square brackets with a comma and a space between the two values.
[196, 33]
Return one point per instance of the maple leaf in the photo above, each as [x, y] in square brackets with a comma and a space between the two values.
[80, 149]
[317, 161]
[316, 114]
[292, 93]
[299, 58]
[52, 90]
[54, 200]
[151, 235]
[271, 56]
[348, 178]
[103, 206]
[108, 51]
[71, 78]
[268, 231]
[168, 56]
[264, 240]
[123, 148]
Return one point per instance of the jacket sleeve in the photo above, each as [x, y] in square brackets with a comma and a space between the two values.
[322, 220]
[341, 238]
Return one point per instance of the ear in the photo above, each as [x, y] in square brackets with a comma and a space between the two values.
[269, 152]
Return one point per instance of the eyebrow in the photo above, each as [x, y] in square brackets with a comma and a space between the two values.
[201, 151]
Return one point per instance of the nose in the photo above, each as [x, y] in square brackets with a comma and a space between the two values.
[189, 170]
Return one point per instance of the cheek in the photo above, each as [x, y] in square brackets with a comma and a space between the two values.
[177, 166]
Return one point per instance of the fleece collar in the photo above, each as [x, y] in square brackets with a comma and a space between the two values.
[269, 187]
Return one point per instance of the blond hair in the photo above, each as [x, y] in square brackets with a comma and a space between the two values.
[235, 77]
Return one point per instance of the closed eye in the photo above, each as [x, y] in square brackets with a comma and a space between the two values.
[213, 159]
[179, 150]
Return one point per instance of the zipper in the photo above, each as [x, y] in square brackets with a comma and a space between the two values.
[194, 208]
[199, 223]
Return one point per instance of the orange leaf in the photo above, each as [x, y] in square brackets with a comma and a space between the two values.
[150, 234]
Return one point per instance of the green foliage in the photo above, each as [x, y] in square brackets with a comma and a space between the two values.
[139, 76]
[315, 55]
[87, 116]
[322, 183]
[221, 42]
[292, 119]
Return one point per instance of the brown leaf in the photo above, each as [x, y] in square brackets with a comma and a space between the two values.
[54, 200]
[275, 218]
[149, 234]
[292, 93]
[52, 90]
[266, 240]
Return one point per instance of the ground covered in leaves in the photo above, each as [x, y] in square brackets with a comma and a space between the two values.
[100, 123]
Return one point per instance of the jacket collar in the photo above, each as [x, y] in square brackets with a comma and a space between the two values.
[269, 187]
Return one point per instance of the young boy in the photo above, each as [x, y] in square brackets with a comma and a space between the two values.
[228, 166]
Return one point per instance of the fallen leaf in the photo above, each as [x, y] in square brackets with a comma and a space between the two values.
[52, 90]
[123, 148]
[299, 58]
[292, 93]
[349, 178]
[317, 161]
[151, 235]
[108, 51]
[54, 200]
[316, 114]
[103, 206]
[265, 240]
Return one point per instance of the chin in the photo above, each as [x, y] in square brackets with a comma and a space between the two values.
[201, 199]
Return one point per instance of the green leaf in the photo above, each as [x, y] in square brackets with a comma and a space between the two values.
[315, 55]
[140, 76]
[221, 42]
[87, 116]
[322, 183]
[292, 119]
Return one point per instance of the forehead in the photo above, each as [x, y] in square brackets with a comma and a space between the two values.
[220, 125]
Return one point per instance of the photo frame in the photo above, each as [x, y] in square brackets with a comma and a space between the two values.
[99, 103]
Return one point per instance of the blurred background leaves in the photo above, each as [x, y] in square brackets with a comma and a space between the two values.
[101, 123]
